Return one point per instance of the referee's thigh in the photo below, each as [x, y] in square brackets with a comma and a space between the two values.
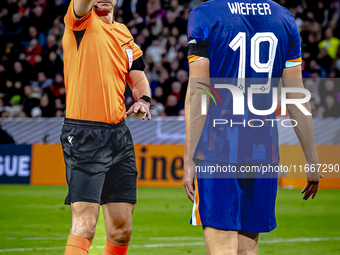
[84, 219]
[118, 222]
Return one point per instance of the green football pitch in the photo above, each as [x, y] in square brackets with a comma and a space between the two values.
[33, 220]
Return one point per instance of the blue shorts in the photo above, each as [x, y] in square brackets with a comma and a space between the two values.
[242, 203]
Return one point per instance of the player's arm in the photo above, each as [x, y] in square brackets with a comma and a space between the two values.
[194, 120]
[140, 86]
[82, 7]
[304, 129]
[199, 70]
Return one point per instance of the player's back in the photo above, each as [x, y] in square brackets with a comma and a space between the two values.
[253, 39]
[257, 35]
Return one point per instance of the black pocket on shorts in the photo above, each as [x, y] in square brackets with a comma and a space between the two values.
[90, 144]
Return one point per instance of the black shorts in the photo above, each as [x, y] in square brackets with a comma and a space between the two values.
[100, 162]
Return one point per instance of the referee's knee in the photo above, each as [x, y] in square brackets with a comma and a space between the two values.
[85, 227]
[120, 236]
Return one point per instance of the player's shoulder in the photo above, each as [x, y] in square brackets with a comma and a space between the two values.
[281, 10]
[205, 13]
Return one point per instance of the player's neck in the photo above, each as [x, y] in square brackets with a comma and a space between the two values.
[106, 17]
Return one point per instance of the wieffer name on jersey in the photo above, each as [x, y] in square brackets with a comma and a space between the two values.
[250, 8]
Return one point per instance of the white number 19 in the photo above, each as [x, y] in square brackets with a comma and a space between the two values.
[240, 42]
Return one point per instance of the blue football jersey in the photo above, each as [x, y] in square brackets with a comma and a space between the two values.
[248, 43]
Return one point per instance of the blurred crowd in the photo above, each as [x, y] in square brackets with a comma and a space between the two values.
[319, 26]
[31, 66]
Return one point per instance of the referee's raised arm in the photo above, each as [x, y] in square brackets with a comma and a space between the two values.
[82, 7]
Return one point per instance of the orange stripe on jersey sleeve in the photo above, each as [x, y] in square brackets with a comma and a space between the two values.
[197, 199]
[295, 60]
[193, 58]
[137, 52]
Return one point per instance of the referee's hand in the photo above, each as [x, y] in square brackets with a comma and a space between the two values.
[140, 107]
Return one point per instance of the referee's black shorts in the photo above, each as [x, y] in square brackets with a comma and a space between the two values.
[100, 162]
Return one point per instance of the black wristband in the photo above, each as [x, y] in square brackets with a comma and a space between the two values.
[146, 98]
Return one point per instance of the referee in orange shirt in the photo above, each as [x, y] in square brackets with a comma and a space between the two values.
[99, 56]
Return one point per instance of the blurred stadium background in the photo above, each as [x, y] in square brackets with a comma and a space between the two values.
[33, 219]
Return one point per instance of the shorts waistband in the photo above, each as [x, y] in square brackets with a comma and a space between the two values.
[95, 124]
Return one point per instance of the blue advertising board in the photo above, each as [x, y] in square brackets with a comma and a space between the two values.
[15, 163]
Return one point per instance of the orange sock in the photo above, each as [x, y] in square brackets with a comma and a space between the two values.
[112, 249]
[77, 245]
